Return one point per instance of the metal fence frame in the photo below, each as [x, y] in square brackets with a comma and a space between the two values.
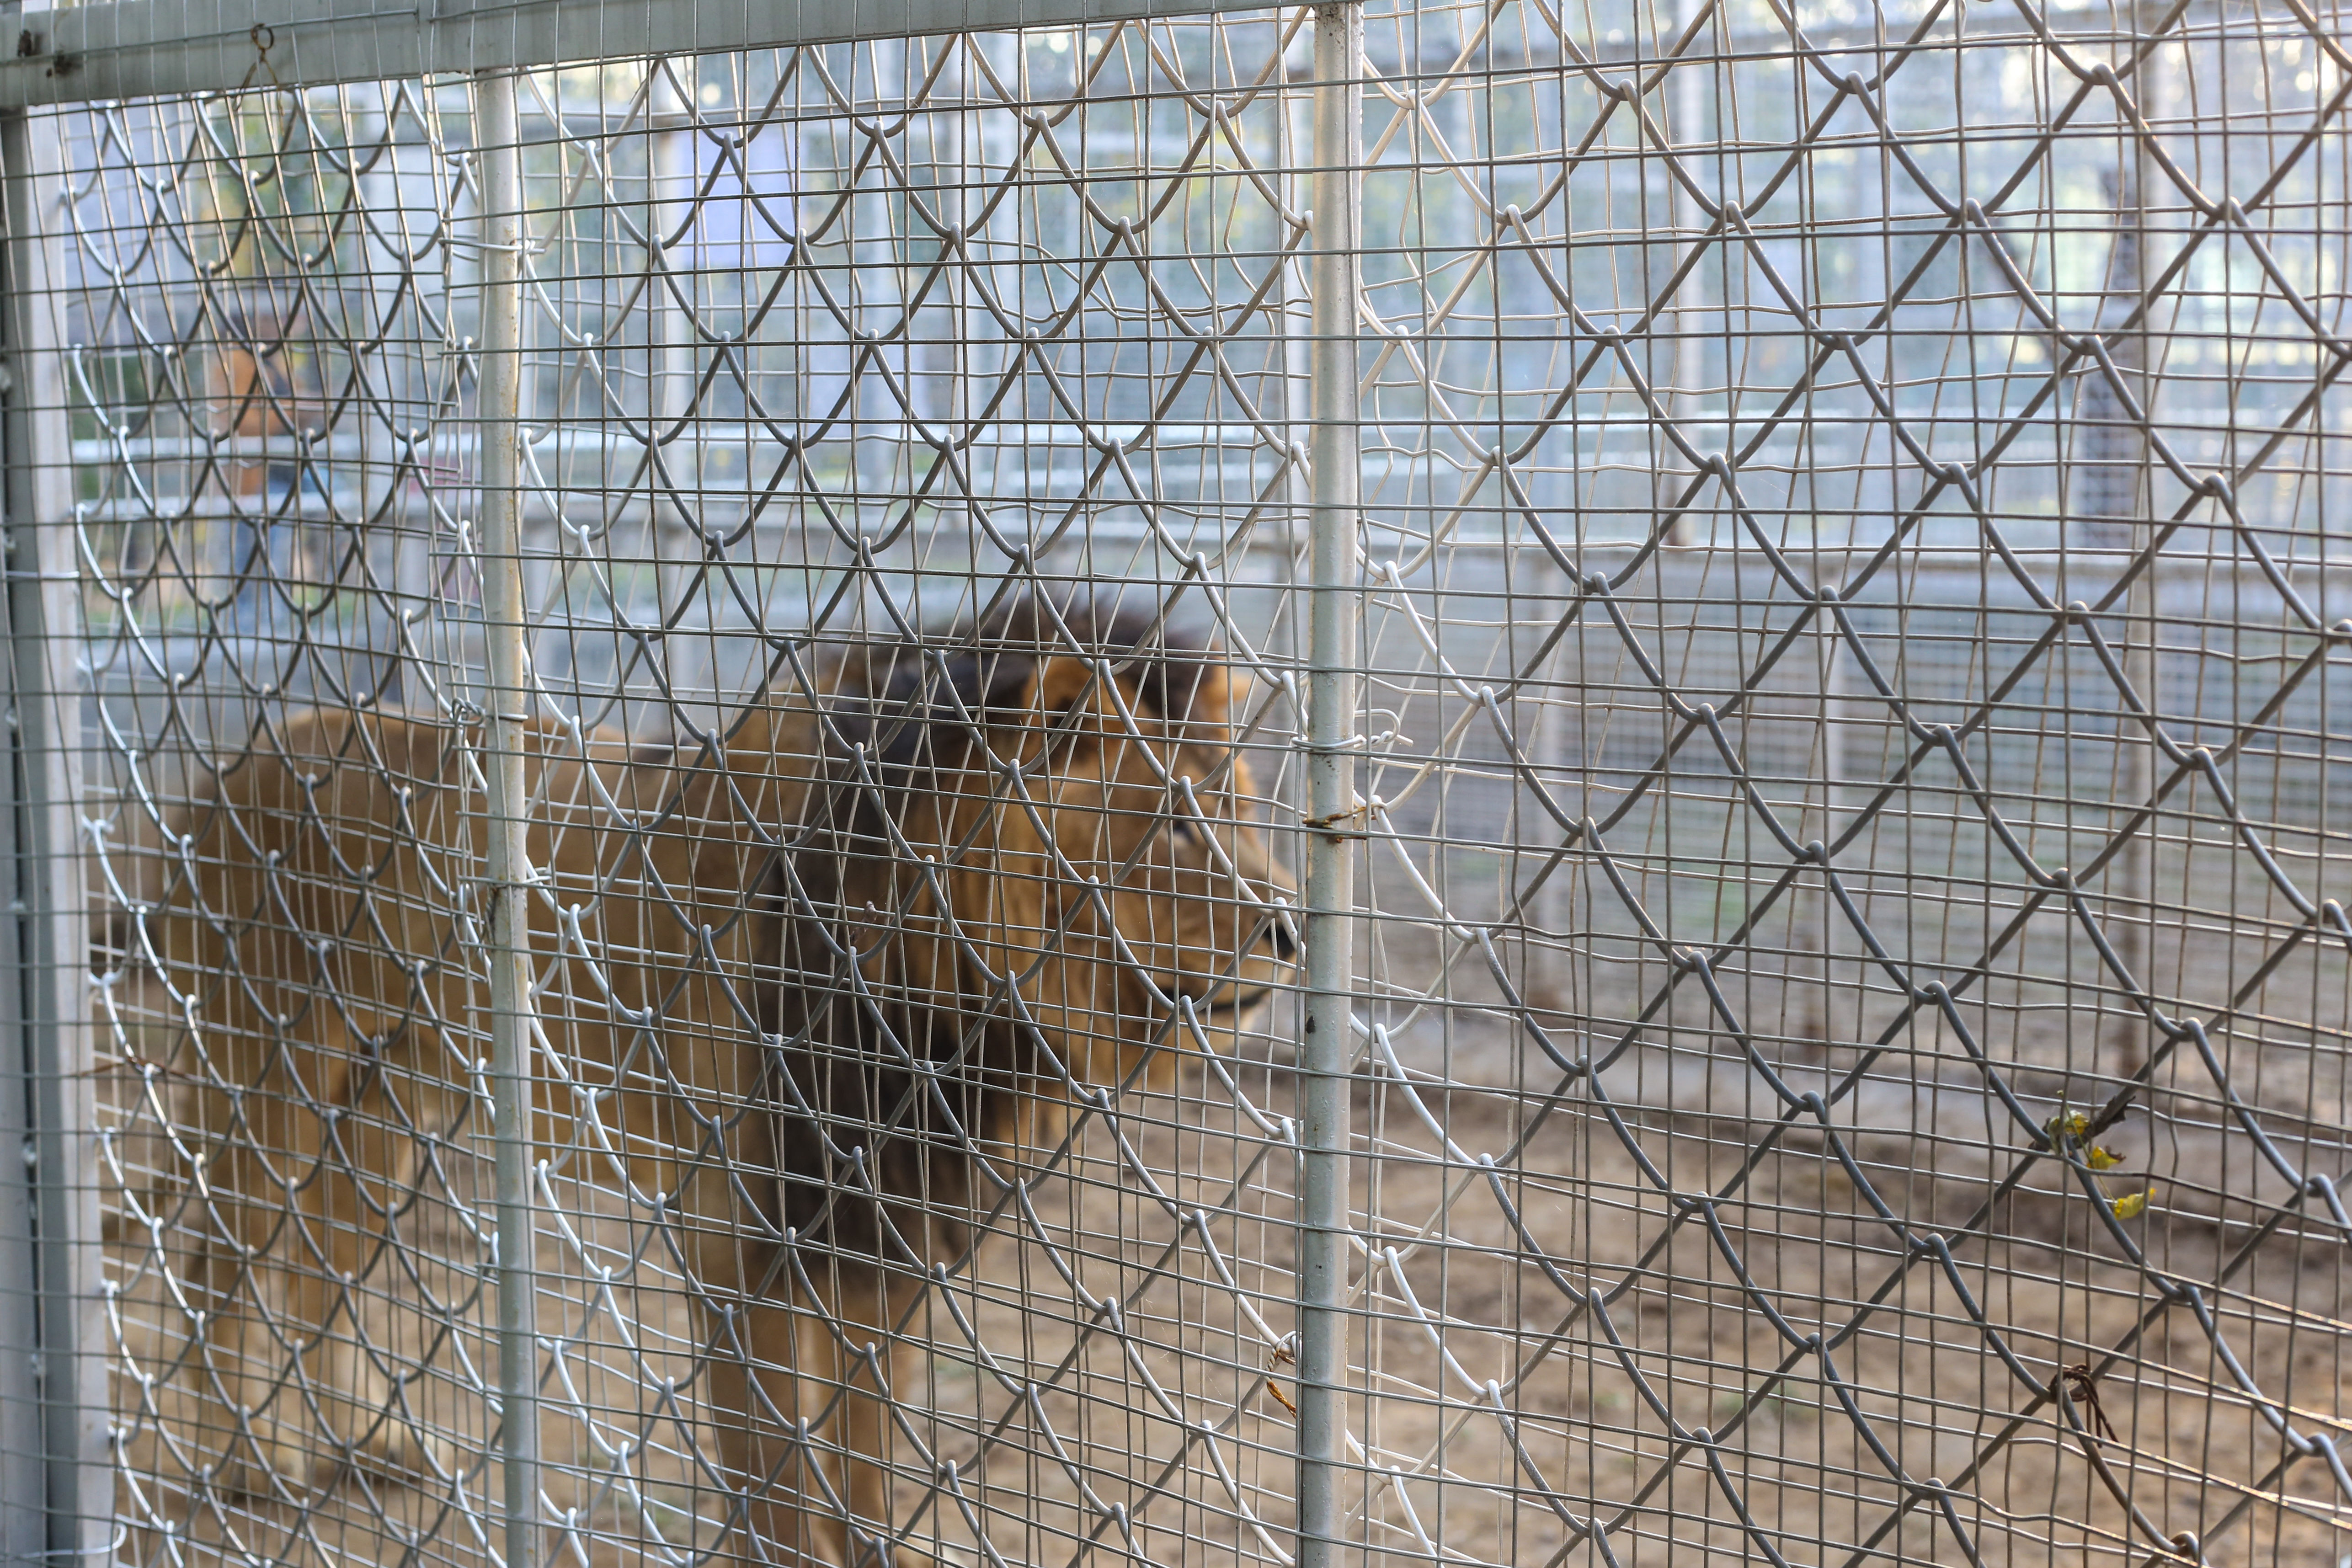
[52, 1399]
[55, 1488]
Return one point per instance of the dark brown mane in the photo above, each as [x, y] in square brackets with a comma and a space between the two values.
[909, 693]
[870, 1158]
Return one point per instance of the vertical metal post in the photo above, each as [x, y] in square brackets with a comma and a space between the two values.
[50, 953]
[2115, 493]
[2147, 607]
[23, 1504]
[1837, 715]
[1685, 401]
[669, 331]
[498, 144]
[1294, 367]
[1334, 827]
[2134, 931]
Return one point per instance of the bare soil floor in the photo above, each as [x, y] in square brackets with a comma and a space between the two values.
[1849, 1356]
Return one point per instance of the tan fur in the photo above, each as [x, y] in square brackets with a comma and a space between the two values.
[316, 914]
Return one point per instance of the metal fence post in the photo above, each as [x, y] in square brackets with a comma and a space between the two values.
[2113, 497]
[2141, 356]
[498, 137]
[58, 1290]
[1334, 825]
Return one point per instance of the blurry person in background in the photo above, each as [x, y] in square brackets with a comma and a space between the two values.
[263, 392]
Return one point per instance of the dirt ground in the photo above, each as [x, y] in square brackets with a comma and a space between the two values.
[1540, 1296]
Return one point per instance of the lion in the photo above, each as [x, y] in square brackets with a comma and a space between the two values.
[822, 981]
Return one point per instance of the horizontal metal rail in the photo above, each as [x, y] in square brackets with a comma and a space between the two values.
[140, 47]
[135, 48]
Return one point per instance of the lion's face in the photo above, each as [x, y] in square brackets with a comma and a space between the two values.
[1132, 892]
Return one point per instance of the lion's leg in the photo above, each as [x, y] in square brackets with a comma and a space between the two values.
[383, 1185]
[865, 1383]
[758, 1397]
[303, 1339]
[803, 1400]
[757, 1407]
[263, 1341]
[770, 1408]
[768, 1398]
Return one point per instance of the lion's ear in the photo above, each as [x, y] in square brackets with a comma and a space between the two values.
[1059, 685]
[1216, 696]
[996, 683]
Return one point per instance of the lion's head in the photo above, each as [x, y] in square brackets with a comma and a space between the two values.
[1030, 871]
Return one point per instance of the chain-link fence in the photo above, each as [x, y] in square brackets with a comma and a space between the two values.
[1410, 783]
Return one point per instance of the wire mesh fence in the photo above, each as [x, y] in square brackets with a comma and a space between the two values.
[1424, 782]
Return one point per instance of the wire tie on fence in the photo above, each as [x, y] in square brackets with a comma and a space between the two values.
[2084, 1390]
[1328, 826]
[263, 36]
[1279, 1356]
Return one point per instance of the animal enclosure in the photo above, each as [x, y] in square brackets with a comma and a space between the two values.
[1400, 782]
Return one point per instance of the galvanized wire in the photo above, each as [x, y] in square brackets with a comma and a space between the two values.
[1842, 675]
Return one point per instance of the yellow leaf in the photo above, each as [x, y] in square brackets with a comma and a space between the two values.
[2068, 1127]
[2131, 1206]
